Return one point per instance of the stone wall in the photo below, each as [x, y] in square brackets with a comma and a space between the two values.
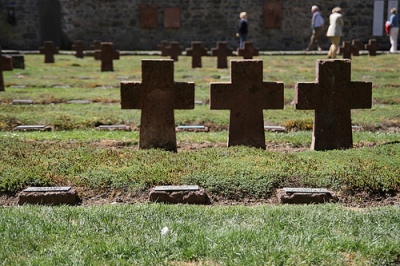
[208, 21]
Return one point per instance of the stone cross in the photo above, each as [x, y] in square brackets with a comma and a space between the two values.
[163, 47]
[372, 47]
[79, 47]
[49, 49]
[196, 52]
[157, 96]
[356, 46]
[248, 51]
[173, 50]
[1, 72]
[107, 56]
[346, 49]
[96, 47]
[246, 97]
[332, 97]
[222, 52]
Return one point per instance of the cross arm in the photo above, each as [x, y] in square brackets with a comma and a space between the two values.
[130, 95]
[306, 95]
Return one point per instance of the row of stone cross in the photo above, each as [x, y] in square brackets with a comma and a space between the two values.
[332, 96]
[104, 51]
[353, 48]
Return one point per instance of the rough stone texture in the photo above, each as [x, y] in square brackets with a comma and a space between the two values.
[107, 56]
[246, 97]
[304, 198]
[157, 96]
[49, 49]
[345, 50]
[199, 197]
[248, 51]
[79, 47]
[7, 63]
[196, 52]
[222, 52]
[53, 198]
[173, 50]
[332, 97]
[372, 46]
[209, 21]
[356, 46]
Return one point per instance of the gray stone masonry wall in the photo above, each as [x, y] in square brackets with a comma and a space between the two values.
[208, 21]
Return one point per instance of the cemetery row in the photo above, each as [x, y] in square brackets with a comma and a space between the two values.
[332, 97]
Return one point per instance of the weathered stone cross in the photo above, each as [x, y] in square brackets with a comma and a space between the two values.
[49, 49]
[356, 46]
[332, 97]
[107, 56]
[157, 96]
[345, 49]
[248, 51]
[196, 51]
[79, 47]
[173, 50]
[372, 46]
[222, 52]
[246, 97]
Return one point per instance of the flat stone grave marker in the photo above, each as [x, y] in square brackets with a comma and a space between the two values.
[185, 194]
[372, 46]
[107, 56]
[198, 102]
[157, 96]
[222, 52]
[28, 101]
[332, 97]
[346, 49]
[356, 46]
[49, 49]
[173, 50]
[192, 128]
[177, 188]
[114, 127]
[79, 47]
[32, 128]
[246, 97]
[163, 47]
[304, 195]
[196, 52]
[275, 128]
[248, 51]
[48, 196]
[80, 101]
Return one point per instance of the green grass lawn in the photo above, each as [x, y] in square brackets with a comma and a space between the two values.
[77, 154]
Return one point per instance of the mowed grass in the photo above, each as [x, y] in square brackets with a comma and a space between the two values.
[155, 234]
[105, 162]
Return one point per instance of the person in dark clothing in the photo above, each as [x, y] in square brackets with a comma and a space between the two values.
[242, 32]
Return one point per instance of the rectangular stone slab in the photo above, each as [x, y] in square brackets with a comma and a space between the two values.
[177, 188]
[80, 101]
[275, 128]
[46, 189]
[114, 127]
[32, 128]
[22, 102]
[305, 190]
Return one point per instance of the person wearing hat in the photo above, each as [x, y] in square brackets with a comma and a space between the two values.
[317, 26]
[334, 32]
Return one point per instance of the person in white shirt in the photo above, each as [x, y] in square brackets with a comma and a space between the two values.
[335, 30]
